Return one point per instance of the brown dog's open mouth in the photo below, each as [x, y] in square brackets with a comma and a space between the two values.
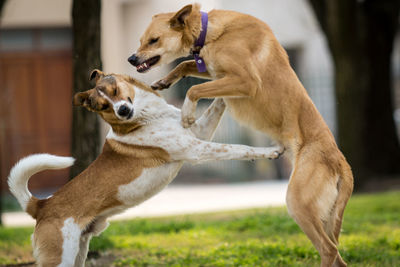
[147, 64]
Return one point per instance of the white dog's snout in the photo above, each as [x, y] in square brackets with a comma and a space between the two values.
[123, 109]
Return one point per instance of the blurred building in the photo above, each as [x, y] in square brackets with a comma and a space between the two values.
[35, 84]
[36, 80]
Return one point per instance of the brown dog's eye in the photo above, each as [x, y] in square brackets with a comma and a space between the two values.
[153, 40]
[115, 92]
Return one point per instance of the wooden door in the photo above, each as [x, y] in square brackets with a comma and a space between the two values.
[35, 111]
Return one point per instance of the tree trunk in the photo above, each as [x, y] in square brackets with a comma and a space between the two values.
[2, 2]
[86, 53]
[360, 35]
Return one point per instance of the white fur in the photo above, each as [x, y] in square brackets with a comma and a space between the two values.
[163, 129]
[327, 198]
[71, 234]
[26, 167]
[149, 183]
[118, 104]
[262, 55]
[36, 251]
[188, 111]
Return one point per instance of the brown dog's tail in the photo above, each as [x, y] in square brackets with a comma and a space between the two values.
[24, 169]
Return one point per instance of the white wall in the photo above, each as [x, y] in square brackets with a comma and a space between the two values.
[36, 13]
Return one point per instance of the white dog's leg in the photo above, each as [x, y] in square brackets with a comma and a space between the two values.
[204, 128]
[188, 111]
[83, 250]
[94, 229]
[71, 234]
[208, 151]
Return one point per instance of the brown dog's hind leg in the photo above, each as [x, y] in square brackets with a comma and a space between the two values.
[345, 188]
[311, 197]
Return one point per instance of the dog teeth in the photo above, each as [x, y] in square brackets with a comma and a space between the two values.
[143, 66]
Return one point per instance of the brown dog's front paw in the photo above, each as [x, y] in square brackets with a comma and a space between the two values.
[188, 121]
[160, 85]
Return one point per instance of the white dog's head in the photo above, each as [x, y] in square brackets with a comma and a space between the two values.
[120, 100]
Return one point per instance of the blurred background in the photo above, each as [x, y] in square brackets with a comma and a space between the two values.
[347, 55]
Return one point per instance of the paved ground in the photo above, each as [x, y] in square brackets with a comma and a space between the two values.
[186, 199]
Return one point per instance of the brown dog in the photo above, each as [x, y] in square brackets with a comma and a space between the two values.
[251, 72]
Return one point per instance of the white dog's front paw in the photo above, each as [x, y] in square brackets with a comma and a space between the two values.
[188, 113]
[188, 121]
[276, 152]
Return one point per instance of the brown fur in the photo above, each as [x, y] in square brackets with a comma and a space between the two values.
[117, 164]
[251, 71]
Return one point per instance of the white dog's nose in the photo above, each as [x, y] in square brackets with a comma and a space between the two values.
[123, 111]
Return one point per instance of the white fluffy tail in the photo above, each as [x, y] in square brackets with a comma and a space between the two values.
[26, 167]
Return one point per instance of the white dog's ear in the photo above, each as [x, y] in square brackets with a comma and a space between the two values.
[96, 74]
[80, 98]
[178, 20]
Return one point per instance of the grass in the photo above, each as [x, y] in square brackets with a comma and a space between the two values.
[259, 237]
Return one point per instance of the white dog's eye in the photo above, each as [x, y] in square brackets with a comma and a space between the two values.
[153, 40]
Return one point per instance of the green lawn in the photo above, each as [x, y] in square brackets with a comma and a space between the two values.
[259, 237]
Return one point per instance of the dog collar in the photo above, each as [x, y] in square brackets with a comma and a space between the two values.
[198, 45]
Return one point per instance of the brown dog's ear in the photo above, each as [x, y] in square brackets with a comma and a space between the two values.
[96, 74]
[80, 98]
[178, 20]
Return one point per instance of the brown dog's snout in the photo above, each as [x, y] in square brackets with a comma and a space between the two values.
[134, 60]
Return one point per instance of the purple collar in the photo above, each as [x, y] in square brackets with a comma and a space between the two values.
[198, 45]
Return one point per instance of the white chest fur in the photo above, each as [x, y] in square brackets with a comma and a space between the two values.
[150, 182]
[163, 130]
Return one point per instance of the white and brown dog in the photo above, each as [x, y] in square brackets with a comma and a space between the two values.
[143, 152]
[250, 70]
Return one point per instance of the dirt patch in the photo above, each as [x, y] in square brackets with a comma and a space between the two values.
[96, 259]
[25, 264]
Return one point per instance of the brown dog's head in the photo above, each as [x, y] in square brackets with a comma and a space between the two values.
[168, 37]
[113, 98]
